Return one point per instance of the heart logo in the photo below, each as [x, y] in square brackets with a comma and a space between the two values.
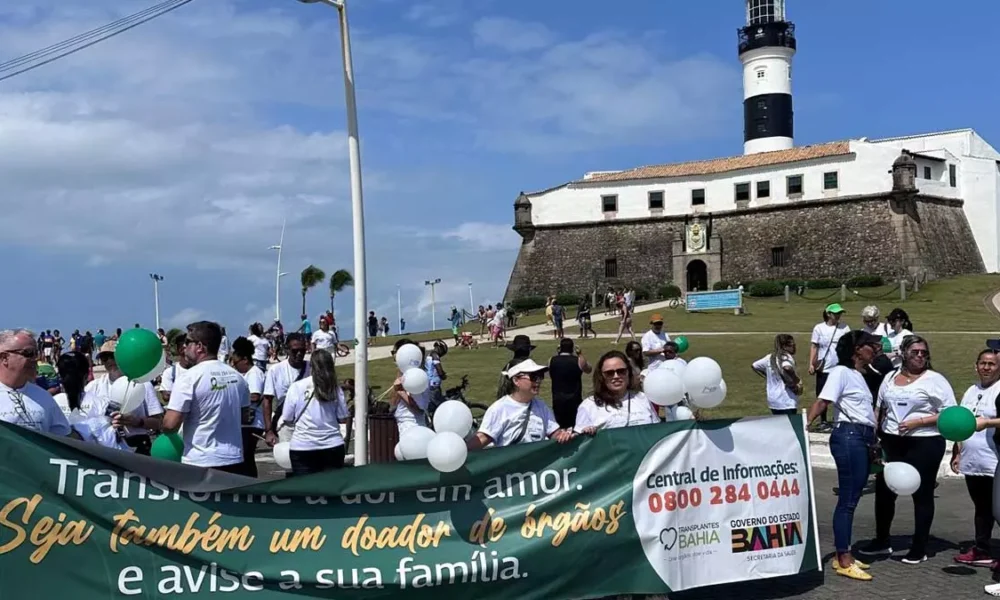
[668, 537]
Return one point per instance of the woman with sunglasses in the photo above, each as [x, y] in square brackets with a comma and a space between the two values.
[898, 328]
[614, 403]
[909, 403]
[520, 417]
[778, 369]
[852, 436]
[976, 457]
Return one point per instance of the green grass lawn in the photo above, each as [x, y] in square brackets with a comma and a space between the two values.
[536, 317]
[956, 304]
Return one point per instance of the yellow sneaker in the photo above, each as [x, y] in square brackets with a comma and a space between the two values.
[861, 565]
[854, 571]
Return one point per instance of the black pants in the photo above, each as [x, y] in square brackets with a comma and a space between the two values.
[981, 491]
[143, 444]
[784, 411]
[820, 382]
[925, 454]
[249, 450]
[306, 462]
[565, 411]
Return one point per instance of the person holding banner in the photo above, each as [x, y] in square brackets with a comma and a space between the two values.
[316, 407]
[22, 402]
[852, 438]
[520, 417]
[614, 404]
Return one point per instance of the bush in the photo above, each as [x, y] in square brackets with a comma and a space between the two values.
[865, 281]
[765, 288]
[822, 284]
[567, 299]
[791, 283]
[723, 285]
[669, 290]
[642, 294]
[528, 303]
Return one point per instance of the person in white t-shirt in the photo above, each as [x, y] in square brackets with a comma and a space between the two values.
[176, 369]
[262, 347]
[898, 330]
[22, 402]
[317, 408]
[822, 350]
[209, 401]
[75, 400]
[654, 341]
[410, 410]
[136, 426]
[870, 321]
[279, 378]
[614, 403]
[224, 347]
[852, 436]
[909, 403]
[976, 457]
[253, 426]
[783, 384]
[323, 338]
[520, 417]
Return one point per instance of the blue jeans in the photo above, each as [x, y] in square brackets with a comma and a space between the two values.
[849, 445]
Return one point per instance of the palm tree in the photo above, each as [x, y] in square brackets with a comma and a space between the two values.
[338, 281]
[311, 276]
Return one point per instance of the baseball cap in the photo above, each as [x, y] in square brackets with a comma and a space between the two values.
[835, 308]
[523, 367]
[656, 318]
[869, 312]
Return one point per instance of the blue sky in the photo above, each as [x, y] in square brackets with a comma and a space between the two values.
[180, 146]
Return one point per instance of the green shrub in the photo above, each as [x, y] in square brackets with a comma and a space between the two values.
[668, 291]
[642, 294]
[723, 285]
[765, 288]
[791, 283]
[822, 284]
[528, 303]
[566, 299]
[865, 281]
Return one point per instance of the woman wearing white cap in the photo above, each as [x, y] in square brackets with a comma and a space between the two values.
[520, 417]
[870, 319]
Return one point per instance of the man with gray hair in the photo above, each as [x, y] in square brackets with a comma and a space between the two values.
[21, 401]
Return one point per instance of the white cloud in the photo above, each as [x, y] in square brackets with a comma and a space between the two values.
[485, 236]
[185, 317]
[511, 35]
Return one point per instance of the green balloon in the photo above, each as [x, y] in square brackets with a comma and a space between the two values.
[682, 344]
[138, 352]
[168, 446]
[886, 345]
[957, 423]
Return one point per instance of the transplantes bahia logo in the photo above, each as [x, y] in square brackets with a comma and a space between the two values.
[755, 534]
[689, 536]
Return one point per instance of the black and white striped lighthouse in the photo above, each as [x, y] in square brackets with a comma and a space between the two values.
[767, 45]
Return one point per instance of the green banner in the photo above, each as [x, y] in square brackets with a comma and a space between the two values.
[640, 510]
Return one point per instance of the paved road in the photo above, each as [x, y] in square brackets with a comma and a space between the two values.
[940, 578]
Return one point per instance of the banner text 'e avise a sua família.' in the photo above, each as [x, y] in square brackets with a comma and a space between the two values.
[640, 510]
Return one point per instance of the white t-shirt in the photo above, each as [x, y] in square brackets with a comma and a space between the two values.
[170, 375]
[255, 382]
[98, 395]
[654, 341]
[407, 417]
[851, 398]
[280, 377]
[32, 407]
[925, 397]
[211, 395]
[896, 339]
[324, 339]
[779, 395]
[881, 330]
[504, 420]
[979, 452]
[261, 347]
[635, 410]
[825, 337]
[317, 424]
[224, 346]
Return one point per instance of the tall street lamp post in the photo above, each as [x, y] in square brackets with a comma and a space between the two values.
[156, 296]
[432, 283]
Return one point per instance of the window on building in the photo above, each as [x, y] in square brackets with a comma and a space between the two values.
[655, 200]
[831, 181]
[762, 105]
[927, 172]
[794, 185]
[952, 176]
[609, 203]
[761, 11]
[763, 189]
[778, 256]
[611, 268]
[697, 197]
[742, 191]
[761, 73]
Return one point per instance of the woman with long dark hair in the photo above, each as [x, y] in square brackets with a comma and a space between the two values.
[852, 438]
[909, 403]
[822, 349]
[636, 359]
[261, 346]
[899, 328]
[614, 403]
[316, 407]
[783, 384]
[74, 369]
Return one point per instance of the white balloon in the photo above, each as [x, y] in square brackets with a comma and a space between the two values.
[454, 416]
[413, 443]
[709, 397]
[158, 370]
[283, 455]
[902, 478]
[415, 380]
[128, 395]
[663, 388]
[409, 356]
[674, 365]
[682, 413]
[701, 373]
[447, 452]
[398, 453]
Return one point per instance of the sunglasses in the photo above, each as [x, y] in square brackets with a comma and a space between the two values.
[534, 376]
[29, 353]
[919, 352]
[616, 372]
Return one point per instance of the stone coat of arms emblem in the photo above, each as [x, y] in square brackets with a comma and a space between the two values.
[695, 237]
